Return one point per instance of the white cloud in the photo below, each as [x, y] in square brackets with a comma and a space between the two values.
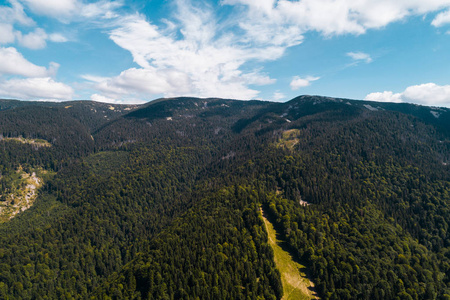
[57, 38]
[54, 8]
[33, 40]
[35, 88]
[298, 82]
[258, 79]
[335, 17]
[38, 38]
[94, 78]
[146, 81]
[102, 9]
[360, 56]
[426, 94]
[441, 19]
[194, 54]
[6, 34]
[261, 30]
[72, 10]
[265, 6]
[126, 100]
[13, 63]
[212, 58]
[14, 14]
[278, 96]
[386, 96]
[206, 56]
[140, 38]
[9, 15]
[101, 98]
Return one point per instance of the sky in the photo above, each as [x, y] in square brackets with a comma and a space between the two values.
[135, 51]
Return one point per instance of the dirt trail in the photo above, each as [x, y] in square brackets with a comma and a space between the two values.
[296, 285]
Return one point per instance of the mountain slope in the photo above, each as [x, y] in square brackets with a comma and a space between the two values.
[366, 173]
[89, 113]
[164, 201]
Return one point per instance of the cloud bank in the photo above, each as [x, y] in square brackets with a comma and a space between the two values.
[198, 50]
[38, 85]
[429, 94]
[338, 16]
[194, 54]
[20, 78]
[67, 11]
[44, 88]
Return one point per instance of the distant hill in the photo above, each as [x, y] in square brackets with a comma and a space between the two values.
[89, 113]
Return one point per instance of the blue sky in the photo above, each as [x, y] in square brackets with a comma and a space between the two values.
[137, 51]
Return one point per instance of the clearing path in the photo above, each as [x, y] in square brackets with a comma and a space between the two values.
[296, 285]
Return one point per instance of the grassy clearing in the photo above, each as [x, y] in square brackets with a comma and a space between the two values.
[19, 191]
[35, 142]
[289, 139]
[296, 285]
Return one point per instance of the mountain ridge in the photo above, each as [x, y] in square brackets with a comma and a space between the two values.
[162, 200]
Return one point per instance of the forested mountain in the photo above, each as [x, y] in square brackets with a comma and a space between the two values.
[162, 200]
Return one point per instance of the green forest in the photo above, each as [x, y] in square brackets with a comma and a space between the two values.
[162, 200]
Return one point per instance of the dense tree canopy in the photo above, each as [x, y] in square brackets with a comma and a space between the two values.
[163, 202]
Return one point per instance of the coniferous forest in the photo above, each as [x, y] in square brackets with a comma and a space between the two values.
[162, 200]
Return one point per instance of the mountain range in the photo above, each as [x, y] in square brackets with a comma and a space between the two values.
[163, 200]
